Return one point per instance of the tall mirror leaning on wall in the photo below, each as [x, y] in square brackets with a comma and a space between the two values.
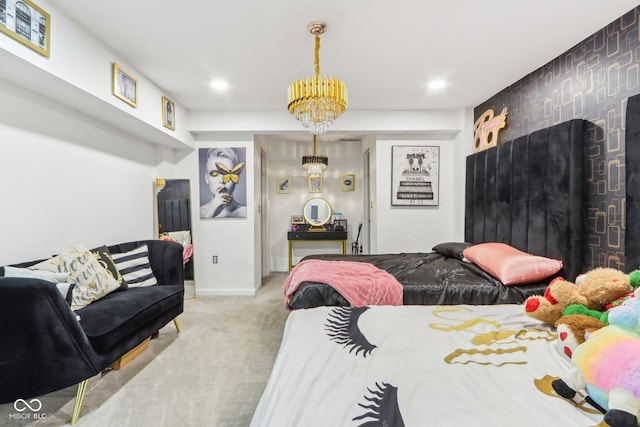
[173, 215]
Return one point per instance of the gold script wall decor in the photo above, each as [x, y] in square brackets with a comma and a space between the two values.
[485, 129]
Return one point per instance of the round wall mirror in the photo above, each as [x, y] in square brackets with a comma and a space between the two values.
[317, 212]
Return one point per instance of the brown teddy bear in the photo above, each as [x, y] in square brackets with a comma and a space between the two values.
[594, 290]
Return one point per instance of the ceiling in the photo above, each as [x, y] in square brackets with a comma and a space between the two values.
[385, 51]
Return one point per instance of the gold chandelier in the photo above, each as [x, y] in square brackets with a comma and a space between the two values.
[315, 164]
[317, 101]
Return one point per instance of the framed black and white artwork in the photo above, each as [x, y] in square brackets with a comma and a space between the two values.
[283, 185]
[348, 182]
[124, 85]
[315, 184]
[414, 175]
[25, 22]
[168, 113]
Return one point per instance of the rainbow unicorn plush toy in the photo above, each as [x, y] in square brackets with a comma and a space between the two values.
[607, 367]
[627, 314]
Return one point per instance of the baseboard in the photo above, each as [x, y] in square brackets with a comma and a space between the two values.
[226, 292]
[189, 289]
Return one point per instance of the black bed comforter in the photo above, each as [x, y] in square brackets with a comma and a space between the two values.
[427, 279]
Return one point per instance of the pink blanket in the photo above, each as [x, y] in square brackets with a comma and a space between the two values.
[360, 283]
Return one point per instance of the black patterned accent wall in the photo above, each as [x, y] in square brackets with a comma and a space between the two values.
[591, 81]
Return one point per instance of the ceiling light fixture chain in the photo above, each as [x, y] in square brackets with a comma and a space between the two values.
[316, 31]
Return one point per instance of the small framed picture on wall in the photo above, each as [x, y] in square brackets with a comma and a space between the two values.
[315, 184]
[26, 23]
[283, 185]
[124, 85]
[348, 182]
[168, 113]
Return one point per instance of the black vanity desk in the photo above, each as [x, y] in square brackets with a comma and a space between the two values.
[315, 236]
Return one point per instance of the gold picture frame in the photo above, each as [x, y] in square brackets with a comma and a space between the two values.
[168, 113]
[283, 185]
[348, 182]
[315, 184]
[124, 85]
[31, 23]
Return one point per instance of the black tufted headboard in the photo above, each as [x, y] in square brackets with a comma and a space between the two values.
[528, 193]
[632, 185]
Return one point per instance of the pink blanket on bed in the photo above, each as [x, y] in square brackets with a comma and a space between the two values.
[360, 283]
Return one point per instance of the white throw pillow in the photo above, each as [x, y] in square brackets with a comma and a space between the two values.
[182, 237]
[50, 276]
[91, 279]
[60, 279]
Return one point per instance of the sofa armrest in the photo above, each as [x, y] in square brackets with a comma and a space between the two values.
[42, 347]
[165, 258]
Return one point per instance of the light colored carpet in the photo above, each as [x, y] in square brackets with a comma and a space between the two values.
[211, 374]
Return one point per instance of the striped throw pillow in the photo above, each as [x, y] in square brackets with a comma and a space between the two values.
[135, 268]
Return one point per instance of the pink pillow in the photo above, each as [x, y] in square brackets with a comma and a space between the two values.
[509, 265]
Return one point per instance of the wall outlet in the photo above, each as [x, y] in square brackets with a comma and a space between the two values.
[215, 259]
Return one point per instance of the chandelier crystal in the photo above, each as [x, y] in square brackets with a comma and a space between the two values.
[316, 163]
[317, 101]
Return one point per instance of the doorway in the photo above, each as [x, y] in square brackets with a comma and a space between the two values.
[366, 238]
[264, 244]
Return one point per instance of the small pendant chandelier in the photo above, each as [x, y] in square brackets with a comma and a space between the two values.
[317, 101]
[315, 164]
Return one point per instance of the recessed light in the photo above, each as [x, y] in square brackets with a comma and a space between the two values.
[219, 85]
[437, 84]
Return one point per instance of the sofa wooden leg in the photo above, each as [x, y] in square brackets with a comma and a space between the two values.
[82, 388]
[175, 321]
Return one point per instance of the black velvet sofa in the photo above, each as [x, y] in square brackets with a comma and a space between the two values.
[44, 347]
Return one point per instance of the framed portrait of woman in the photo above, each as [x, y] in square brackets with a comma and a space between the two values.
[223, 184]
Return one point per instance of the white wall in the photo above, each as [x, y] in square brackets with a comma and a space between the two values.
[413, 228]
[418, 229]
[65, 178]
[78, 74]
[230, 239]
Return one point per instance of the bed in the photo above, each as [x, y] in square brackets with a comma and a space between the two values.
[440, 365]
[488, 365]
[526, 193]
